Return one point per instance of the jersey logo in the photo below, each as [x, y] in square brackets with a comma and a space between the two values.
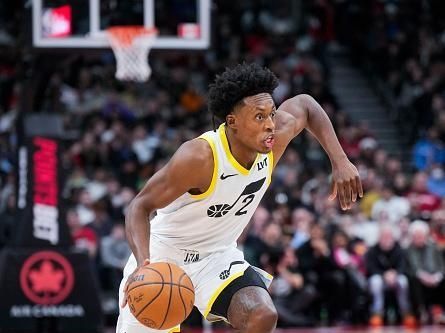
[226, 273]
[262, 164]
[248, 194]
[227, 176]
[190, 256]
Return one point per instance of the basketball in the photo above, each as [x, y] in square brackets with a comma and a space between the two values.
[161, 295]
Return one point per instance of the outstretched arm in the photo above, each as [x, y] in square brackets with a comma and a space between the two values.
[302, 111]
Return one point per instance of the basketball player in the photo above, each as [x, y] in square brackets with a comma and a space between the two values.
[206, 194]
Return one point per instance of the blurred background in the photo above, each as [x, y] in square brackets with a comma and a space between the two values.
[377, 67]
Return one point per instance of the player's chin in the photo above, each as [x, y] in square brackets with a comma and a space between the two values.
[263, 149]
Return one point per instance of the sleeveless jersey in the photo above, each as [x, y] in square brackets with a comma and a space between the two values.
[213, 221]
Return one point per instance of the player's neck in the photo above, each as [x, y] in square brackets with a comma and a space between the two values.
[244, 156]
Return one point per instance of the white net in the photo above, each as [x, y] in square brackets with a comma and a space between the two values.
[131, 46]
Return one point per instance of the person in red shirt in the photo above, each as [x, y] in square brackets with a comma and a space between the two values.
[83, 237]
[422, 201]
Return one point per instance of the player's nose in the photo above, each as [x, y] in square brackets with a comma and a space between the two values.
[270, 124]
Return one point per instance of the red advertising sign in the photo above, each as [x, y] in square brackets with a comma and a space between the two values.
[189, 31]
[56, 22]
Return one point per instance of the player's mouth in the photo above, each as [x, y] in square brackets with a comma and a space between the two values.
[269, 141]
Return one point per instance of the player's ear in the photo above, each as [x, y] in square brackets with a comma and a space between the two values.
[231, 121]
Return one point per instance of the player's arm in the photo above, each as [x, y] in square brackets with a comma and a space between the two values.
[189, 169]
[303, 112]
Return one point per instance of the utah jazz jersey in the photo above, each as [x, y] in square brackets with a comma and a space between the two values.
[213, 221]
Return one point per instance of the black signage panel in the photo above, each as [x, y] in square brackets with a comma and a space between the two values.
[48, 285]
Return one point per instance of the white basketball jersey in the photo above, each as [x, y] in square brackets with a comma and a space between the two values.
[213, 221]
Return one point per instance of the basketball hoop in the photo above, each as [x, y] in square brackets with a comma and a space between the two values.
[131, 45]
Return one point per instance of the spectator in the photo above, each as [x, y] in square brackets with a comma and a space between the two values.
[114, 254]
[292, 295]
[302, 221]
[318, 268]
[428, 151]
[259, 219]
[350, 264]
[259, 248]
[120, 133]
[423, 202]
[436, 181]
[386, 266]
[390, 206]
[101, 222]
[84, 237]
[427, 272]
[84, 207]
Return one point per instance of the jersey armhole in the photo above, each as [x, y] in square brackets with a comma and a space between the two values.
[215, 170]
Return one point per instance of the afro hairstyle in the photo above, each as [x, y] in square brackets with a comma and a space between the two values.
[238, 82]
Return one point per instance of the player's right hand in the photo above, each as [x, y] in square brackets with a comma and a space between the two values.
[130, 277]
[345, 183]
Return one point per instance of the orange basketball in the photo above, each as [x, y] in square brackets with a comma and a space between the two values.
[161, 295]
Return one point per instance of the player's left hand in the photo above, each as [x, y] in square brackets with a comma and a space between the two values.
[346, 183]
[129, 279]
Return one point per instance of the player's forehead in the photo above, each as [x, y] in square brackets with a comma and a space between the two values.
[262, 101]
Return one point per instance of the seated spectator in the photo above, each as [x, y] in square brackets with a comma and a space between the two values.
[427, 272]
[257, 248]
[436, 181]
[346, 259]
[428, 151]
[259, 218]
[101, 222]
[393, 166]
[357, 226]
[302, 220]
[386, 266]
[390, 205]
[83, 236]
[423, 202]
[292, 295]
[372, 185]
[114, 254]
[318, 268]
[401, 183]
[403, 235]
[350, 264]
[349, 140]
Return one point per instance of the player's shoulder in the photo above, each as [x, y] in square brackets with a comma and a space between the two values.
[196, 153]
[193, 163]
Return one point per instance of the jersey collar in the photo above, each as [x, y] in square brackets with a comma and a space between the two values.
[231, 158]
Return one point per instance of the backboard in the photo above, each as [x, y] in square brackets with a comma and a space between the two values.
[182, 24]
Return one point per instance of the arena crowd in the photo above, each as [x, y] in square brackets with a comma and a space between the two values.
[381, 262]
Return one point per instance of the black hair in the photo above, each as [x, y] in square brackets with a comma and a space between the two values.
[238, 82]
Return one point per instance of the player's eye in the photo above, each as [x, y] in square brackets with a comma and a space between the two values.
[273, 114]
[259, 116]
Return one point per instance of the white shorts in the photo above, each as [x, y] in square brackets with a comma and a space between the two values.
[210, 274]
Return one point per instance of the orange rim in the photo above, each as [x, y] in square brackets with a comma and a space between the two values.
[124, 35]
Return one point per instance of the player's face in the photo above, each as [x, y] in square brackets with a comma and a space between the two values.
[255, 124]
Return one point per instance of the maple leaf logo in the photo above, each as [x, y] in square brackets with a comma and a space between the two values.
[46, 278]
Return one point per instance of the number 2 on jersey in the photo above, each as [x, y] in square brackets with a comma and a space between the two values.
[247, 200]
[220, 210]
